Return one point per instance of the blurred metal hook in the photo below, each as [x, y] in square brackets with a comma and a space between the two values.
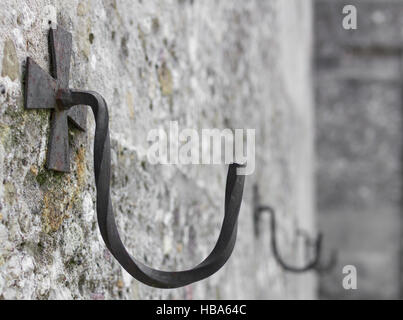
[313, 264]
[273, 231]
[320, 267]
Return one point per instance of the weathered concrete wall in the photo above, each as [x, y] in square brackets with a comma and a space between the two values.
[206, 64]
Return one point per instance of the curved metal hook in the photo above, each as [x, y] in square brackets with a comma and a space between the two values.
[320, 267]
[273, 231]
[51, 91]
[106, 219]
[314, 264]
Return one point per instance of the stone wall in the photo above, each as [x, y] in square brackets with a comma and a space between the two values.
[205, 64]
[359, 126]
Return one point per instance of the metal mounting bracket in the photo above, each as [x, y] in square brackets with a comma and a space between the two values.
[41, 91]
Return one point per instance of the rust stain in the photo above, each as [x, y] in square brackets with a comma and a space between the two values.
[53, 213]
[34, 170]
[58, 202]
[81, 168]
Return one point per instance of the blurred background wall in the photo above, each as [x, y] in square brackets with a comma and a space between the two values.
[358, 78]
[205, 64]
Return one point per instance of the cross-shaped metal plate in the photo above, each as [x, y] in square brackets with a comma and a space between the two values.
[40, 93]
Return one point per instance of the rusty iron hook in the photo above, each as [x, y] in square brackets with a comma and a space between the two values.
[51, 91]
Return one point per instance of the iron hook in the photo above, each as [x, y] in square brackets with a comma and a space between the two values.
[320, 267]
[52, 92]
[273, 231]
[314, 264]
